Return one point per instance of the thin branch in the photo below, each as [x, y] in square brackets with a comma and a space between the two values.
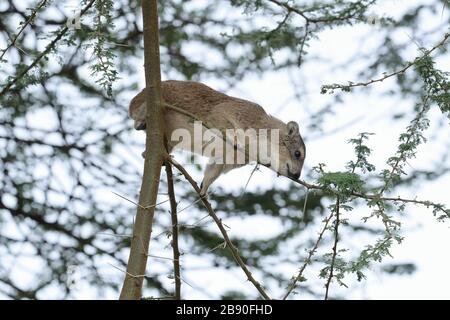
[289, 8]
[325, 19]
[402, 157]
[302, 45]
[127, 273]
[378, 197]
[141, 206]
[163, 258]
[222, 245]
[388, 75]
[311, 253]
[249, 178]
[305, 202]
[190, 205]
[24, 25]
[47, 49]
[115, 235]
[336, 239]
[173, 214]
[213, 215]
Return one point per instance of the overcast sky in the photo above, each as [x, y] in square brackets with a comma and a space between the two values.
[426, 240]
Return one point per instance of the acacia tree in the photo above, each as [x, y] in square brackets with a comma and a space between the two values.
[132, 287]
[60, 164]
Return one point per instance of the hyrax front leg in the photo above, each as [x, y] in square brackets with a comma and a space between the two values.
[212, 172]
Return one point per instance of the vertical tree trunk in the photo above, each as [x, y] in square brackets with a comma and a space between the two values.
[137, 261]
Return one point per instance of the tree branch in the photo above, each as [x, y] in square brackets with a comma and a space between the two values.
[377, 197]
[347, 87]
[218, 221]
[142, 229]
[311, 253]
[324, 19]
[173, 214]
[336, 239]
[24, 25]
[47, 49]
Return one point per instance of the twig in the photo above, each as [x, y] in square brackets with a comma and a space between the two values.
[159, 257]
[299, 276]
[291, 9]
[47, 49]
[181, 279]
[24, 25]
[336, 239]
[401, 156]
[222, 245]
[127, 273]
[386, 76]
[173, 214]
[141, 206]
[302, 45]
[305, 203]
[323, 19]
[249, 178]
[378, 197]
[190, 205]
[115, 235]
[230, 245]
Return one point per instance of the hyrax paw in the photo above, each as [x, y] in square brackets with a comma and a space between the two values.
[203, 192]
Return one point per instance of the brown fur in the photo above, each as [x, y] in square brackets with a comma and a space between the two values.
[222, 112]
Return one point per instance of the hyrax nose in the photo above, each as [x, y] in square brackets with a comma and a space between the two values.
[294, 176]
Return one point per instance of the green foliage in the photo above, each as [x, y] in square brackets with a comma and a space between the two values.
[362, 153]
[409, 141]
[435, 82]
[104, 68]
[233, 295]
[343, 182]
[371, 253]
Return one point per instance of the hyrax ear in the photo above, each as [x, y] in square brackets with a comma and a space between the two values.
[293, 129]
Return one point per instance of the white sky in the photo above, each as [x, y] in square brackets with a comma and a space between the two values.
[426, 240]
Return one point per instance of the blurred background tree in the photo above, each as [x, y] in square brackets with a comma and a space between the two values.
[67, 72]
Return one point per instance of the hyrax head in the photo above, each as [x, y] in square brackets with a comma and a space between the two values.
[292, 152]
[136, 111]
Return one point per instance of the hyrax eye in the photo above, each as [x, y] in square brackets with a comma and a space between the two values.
[297, 154]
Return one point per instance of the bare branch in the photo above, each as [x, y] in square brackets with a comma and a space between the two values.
[299, 276]
[388, 75]
[336, 239]
[173, 214]
[47, 49]
[24, 25]
[213, 215]
[138, 205]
